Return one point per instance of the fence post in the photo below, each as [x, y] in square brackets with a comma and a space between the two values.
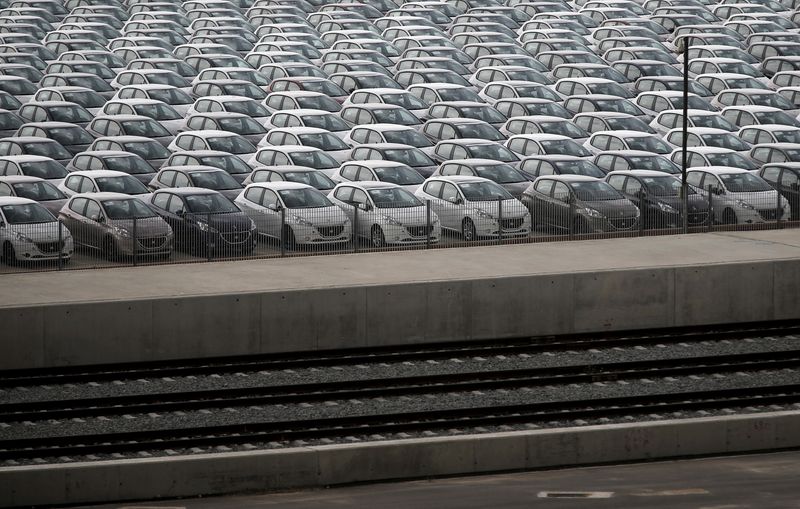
[355, 227]
[135, 243]
[208, 237]
[428, 225]
[778, 210]
[499, 219]
[60, 245]
[642, 208]
[571, 220]
[284, 240]
[710, 209]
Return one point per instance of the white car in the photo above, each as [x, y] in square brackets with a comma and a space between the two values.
[383, 171]
[28, 231]
[740, 196]
[386, 213]
[103, 181]
[322, 139]
[470, 206]
[295, 213]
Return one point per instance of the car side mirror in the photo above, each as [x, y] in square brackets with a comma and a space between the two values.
[795, 186]
[274, 207]
[2, 224]
[719, 191]
[456, 200]
[366, 207]
[180, 213]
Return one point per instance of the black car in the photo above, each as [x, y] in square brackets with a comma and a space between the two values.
[205, 222]
[657, 194]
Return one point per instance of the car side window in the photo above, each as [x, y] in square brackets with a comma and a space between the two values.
[360, 197]
[5, 189]
[92, 210]
[449, 192]
[545, 187]
[561, 192]
[269, 198]
[789, 178]
[771, 174]
[434, 188]
[78, 205]
[161, 200]
[86, 186]
[632, 186]
[181, 180]
[617, 182]
[175, 204]
[349, 172]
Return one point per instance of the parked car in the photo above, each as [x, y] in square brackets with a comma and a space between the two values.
[739, 196]
[29, 232]
[33, 188]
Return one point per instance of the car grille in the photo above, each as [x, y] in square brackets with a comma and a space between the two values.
[513, 223]
[235, 237]
[699, 218]
[50, 247]
[624, 223]
[769, 214]
[419, 231]
[152, 242]
[330, 231]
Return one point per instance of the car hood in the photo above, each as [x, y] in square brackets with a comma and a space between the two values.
[145, 227]
[758, 199]
[319, 216]
[53, 206]
[696, 202]
[611, 208]
[225, 222]
[39, 232]
[517, 188]
[511, 208]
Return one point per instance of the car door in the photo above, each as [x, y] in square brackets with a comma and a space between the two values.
[450, 207]
[560, 206]
[94, 224]
[270, 215]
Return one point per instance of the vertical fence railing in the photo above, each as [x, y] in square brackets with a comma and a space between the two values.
[208, 237]
[61, 244]
[355, 228]
[710, 209]
[499, 220]
[428, 224]
[135, 242]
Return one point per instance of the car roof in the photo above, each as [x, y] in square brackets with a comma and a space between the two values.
[12, 179]
[186, 190]
[642, 173]
[371, 184]
[460, 179]
[103, 196]
[99, 173]
[280, 185]
[15, 200]
[569, 178]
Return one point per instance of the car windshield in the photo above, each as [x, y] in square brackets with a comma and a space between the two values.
[737, 54]
[564, 128]
[304, 199]
[618, 105]
[230, 164]
[70, 135]
[485, 113]
[71, 114]
[129, 164]
[251, 76]
[209, 204]
[400, 175]
[594, 191]
[527, 75]
[775, 117]
[483, 191]
[739, 68]
[647, 144]
[38, 191]
[459, 94]
[231, 144]
[27, 213]
[732, 160]
[565, 147]
[127, 209]
[53, 150]
[323, 141]
[376, 82]
[323, 86]
[396, 116]
[313, 159]
[774, 100]
[91, 82]
[171, 96]
[168, 78]
[8, 101]
[43, 169]
[627, 124]
[323, 103]
[500, 173]
[664, 186]
[412, 157]
[609, 89]
[656, 163]
[393, 198]
[244, 89]
[147, 149]
[792, 136]
[744, 83]
[407, 137]
[87, 99]
[241, 125]
[149, 128]
[123, 184]
[493, 151]
[315, 179]
[482, 131]
[249, 108]
[727, 140]
[157, 111]
[579, 167]
[217, 180]
[713, 121]
[406, 100]
[744, 183]
[606, 73]
[18, 87]
[328, 122]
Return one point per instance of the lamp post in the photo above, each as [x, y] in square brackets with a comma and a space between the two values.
[685, 143]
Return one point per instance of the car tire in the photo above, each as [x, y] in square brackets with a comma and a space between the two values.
[468, 230]
[9, 254]
[580, 226]
[289, 242]
[110, 251]
[376, 237]
[729, 217]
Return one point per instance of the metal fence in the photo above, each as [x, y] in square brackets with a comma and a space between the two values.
[81, 243]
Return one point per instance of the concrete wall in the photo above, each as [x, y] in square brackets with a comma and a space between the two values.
[227, 473]
[379, 315]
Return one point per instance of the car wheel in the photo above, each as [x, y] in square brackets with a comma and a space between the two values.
[377, 237]
[9, 255]
[110, 249]
[580, 226]
[468, 230]
[729, 217]
[289, 242]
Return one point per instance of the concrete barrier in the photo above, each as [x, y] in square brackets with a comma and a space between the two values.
[313, 467]
[350, 301]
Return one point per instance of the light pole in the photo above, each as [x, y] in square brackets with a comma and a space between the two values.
[685, 144]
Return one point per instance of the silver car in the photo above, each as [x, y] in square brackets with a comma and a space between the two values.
[28, 231]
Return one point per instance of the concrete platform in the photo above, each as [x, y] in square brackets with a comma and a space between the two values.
[344, 301]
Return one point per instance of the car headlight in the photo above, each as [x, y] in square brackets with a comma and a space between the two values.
[592, 212]
[301, 221]
[744, 205]
[22, 237]
[666, 208]
[122, 232]
[204, 227]
[392, 221]
[483, 213]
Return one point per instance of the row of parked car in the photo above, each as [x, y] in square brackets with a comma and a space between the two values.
[548, 112]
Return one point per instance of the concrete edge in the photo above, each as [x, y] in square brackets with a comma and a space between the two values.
[321, 466]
